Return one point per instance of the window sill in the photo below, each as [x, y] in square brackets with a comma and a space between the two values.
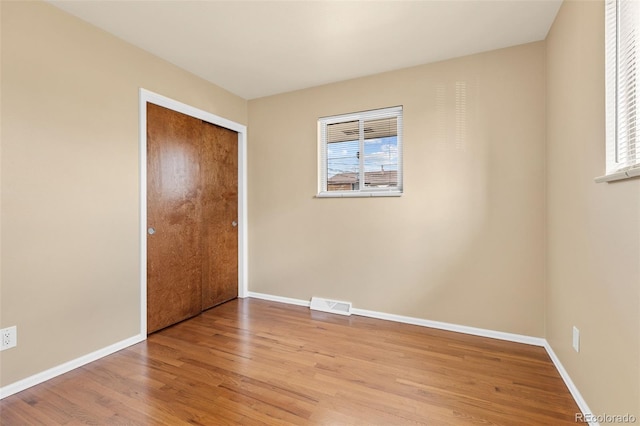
[627, 174]
[359, 194]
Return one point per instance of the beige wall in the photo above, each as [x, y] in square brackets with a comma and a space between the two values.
[593, 278]
[464, 244]
[70, 265]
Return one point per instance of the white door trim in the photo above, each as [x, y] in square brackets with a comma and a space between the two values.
[149, 97]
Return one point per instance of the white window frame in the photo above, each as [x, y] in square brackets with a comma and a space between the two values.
[363, 116]
[618, 79]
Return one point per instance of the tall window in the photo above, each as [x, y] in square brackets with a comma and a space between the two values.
[622, 97]
[361, 154]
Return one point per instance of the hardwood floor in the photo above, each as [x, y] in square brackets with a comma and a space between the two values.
[257, 362]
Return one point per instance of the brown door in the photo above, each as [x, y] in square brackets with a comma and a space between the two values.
[187, 238]
[219, 215]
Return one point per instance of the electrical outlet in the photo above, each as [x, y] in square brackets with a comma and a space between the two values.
[9, 337]
[576, 339]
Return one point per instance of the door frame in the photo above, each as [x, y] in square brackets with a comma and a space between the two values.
[145, 97]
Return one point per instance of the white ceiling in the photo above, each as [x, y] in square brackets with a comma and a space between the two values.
[261, 48]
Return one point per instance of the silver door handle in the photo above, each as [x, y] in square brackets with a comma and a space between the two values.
[234, 223]
[151, 231]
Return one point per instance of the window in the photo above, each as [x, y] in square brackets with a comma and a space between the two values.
[361, 154]
[622, 21]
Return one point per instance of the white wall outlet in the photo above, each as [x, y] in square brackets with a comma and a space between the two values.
[9, 338]
[576, 339]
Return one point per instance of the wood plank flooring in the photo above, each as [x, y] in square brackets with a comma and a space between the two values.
[253, 362]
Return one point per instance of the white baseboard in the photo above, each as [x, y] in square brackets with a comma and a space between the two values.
[582, 404]
[511, 337]
[272, 298]
[38, 378]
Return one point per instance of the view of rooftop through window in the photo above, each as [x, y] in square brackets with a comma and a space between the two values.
[379, 159]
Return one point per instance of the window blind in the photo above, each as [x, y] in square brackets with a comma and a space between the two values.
[622, 42]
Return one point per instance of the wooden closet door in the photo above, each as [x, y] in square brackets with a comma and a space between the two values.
[219, 215]
[192, 212]
[174, 212]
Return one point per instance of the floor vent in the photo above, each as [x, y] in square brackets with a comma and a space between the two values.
[332, 306]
